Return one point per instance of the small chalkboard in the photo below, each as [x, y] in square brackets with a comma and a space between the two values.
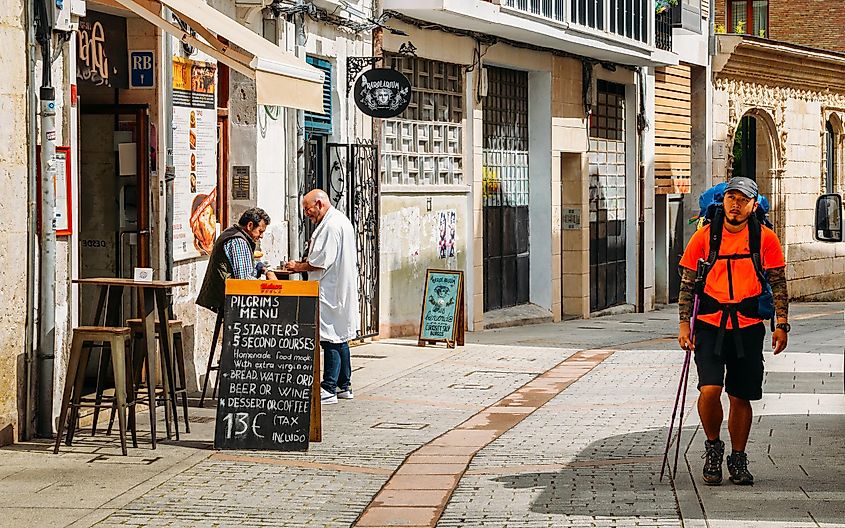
[269, 396]
[442, 318]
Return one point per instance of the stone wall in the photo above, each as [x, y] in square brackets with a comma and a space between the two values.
[13, 225]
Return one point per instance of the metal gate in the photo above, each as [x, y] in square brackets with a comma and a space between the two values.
[607, 197]
[505, 176]
[349, 175]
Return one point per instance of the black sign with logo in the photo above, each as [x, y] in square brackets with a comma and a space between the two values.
[102, 58]
[382, 92]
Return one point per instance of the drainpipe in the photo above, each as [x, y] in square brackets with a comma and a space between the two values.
[47, 257]
[642, 124]
[378, 51]
[296, 177]
[32, 224]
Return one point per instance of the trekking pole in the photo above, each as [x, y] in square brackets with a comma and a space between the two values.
[674, 413]
[682, 384]
[685, 382]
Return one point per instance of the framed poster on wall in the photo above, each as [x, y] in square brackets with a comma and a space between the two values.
[63, 191]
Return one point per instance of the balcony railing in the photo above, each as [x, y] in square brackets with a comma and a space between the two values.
[626, 18]
[663, 30]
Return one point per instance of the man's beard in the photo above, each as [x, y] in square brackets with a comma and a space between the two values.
[734, 222]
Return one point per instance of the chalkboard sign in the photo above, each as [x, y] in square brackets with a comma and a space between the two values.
[443, 318]
[268, 387]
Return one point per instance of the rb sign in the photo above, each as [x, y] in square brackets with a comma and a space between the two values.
[141, 69]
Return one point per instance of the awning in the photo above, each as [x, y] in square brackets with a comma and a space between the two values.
[281, 79]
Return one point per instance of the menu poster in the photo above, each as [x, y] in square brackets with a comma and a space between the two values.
[442, 317]
[194, 158]
[268, 389]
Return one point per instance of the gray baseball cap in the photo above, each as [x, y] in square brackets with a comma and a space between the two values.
[746, 186]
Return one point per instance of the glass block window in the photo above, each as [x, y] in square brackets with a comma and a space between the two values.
[424, 145]
[607, 119]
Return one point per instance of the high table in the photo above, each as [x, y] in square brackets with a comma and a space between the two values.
[152, 300]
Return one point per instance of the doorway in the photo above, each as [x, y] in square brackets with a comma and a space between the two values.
[114, 198]
[506, 178]
[608, 176]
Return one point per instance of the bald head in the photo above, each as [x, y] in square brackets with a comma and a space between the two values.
[315, 205]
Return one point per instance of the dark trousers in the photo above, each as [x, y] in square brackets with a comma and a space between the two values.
[337, 366]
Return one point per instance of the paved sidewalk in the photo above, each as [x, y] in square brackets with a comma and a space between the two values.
[590, 456]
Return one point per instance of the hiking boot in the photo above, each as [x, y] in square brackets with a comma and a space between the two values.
[738, 467]
[713, 454]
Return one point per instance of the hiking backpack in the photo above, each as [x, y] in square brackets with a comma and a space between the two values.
[713, 214]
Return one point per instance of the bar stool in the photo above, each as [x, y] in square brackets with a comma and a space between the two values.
[180, 386]
[84, 337]
[218, 325]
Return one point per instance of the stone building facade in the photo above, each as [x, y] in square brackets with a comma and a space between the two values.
[781, 108]
[14, 159]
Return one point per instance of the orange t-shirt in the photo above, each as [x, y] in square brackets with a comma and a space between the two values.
[745, 281]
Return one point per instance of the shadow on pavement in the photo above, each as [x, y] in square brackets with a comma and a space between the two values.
[619, 477]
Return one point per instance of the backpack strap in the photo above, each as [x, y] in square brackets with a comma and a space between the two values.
[755, 234]
[715, 238]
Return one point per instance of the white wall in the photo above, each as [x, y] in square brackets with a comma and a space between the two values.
[540, 186]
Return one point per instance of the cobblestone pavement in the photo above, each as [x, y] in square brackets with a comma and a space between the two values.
[589, 457]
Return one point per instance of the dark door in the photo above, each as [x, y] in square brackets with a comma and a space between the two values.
[677, 244]
[114, 197]
[505, 175]
[745, 148]
[607, 197]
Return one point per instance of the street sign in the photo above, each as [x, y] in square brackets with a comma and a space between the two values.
[269, 370]
[142, 69]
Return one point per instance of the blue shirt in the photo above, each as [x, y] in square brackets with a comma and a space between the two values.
[240, 257]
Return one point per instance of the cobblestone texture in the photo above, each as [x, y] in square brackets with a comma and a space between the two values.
[606, 436]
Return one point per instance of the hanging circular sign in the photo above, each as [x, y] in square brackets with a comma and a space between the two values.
[382, 92]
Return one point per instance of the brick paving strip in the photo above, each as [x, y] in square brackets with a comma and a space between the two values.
[417, 492]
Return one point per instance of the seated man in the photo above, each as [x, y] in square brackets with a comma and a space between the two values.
[232, 258]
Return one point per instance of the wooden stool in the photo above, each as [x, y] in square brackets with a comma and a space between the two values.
[218, 325]
[174, 382]
[117, 338]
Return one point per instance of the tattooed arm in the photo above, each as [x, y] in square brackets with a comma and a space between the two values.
[685, 301]
[777, 280]
[685, 297]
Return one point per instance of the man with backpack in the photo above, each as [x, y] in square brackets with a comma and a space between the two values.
[734, 272]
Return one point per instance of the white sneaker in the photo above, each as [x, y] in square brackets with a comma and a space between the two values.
[345, 394]
[326, 397]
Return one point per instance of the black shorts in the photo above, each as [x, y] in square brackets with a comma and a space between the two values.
[744, 377]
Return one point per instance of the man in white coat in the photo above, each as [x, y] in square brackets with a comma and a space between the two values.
[332, 260]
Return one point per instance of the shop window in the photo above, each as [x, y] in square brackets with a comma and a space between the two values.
[749, 16]
[424, 145]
